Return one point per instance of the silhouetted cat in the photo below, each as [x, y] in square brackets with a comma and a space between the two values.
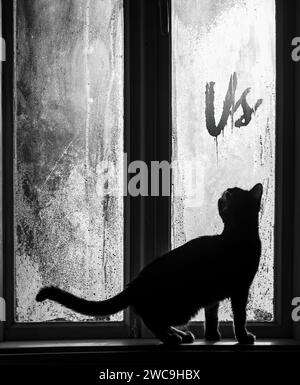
[202, 272]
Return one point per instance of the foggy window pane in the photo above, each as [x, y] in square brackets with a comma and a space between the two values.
[223, 58]
[69, 153]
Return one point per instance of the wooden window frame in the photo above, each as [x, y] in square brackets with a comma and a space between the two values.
[147, 124]
[281, 327]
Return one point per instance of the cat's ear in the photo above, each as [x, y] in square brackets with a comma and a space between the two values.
[257, 191]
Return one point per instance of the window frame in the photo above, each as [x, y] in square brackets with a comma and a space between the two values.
[281, 327]
[147, 123]
[69, 330]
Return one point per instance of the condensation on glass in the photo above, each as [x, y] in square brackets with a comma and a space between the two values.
[69, 136]
[223, 58]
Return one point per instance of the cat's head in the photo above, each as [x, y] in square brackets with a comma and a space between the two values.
[240, 206]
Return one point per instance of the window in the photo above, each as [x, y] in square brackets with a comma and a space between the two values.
[69, 128]
[86, 82]
[67, 216]
[224, 123]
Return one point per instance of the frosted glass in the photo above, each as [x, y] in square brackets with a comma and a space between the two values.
[69, 151]
[223, 58]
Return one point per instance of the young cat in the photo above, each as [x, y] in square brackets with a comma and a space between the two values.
[202, 272]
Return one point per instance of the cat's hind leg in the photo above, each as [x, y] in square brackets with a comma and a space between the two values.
[187, 336]
[165, 333]
[212, 332]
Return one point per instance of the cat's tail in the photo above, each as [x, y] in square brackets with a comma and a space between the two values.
[83, 306]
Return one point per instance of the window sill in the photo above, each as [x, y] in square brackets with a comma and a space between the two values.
[138, 345]
[84, 360]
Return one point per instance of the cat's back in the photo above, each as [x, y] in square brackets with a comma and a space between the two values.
[184, 263]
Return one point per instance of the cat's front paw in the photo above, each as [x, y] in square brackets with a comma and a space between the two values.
[247, 338]
[214, 336]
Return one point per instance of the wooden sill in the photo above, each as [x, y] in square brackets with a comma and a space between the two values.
[81, 361]
[135, 345]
